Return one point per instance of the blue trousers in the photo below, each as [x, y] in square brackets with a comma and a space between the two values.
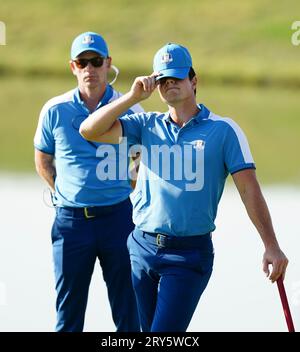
[169, 278]
[77, 242]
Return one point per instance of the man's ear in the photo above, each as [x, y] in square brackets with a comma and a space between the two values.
[108, 62]
[72, 67]
[194, 82]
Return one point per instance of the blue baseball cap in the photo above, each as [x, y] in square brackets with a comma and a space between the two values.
[172, 60]
[89, 41]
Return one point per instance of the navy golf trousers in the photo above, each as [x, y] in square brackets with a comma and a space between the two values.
[79, 237]
[169, 276]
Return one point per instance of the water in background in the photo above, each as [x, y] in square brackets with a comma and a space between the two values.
[238, 297]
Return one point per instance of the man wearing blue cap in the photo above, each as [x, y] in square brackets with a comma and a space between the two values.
[93, 214]
[187, 154]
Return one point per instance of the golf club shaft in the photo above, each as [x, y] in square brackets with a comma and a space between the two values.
[285, 305]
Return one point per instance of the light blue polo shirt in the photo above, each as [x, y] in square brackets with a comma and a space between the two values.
[78, 162]
[183, 170]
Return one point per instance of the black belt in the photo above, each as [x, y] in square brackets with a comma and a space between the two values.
[91, 212]
[175, 241]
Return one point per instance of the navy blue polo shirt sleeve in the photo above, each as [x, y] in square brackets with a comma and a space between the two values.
[237, 154]
[44, 139]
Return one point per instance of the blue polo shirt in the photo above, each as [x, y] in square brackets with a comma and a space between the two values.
[79, 181]
[183, 170]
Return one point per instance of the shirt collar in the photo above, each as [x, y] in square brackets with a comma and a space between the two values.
[202, 115]
[105, 99]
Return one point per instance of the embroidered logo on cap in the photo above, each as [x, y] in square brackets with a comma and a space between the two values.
[166, 58]
[88, 39]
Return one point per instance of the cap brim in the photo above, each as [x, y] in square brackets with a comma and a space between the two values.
[78, 52]
[179, 73]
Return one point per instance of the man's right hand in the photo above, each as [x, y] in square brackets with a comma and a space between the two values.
[143, 87]
[103, 125]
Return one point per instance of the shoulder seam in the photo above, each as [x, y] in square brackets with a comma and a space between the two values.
[60, 99]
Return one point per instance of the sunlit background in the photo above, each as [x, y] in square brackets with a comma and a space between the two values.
[246, 56]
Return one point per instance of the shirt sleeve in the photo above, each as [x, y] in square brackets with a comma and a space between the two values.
[237, 152]
[132, 125]
[44, 139]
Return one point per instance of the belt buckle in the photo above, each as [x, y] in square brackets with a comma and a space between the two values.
[159, 237]
[86, 213]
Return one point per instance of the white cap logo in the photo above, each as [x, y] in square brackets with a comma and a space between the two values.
[88, 39]
[166, 58]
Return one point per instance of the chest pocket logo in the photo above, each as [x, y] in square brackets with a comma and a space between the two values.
[199, 144]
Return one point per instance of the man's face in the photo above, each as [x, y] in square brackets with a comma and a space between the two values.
[174, 90]
[92, 75]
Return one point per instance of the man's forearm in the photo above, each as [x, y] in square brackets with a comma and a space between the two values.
[256, 205]
[47, 172]
[258, 212]
[102, 120]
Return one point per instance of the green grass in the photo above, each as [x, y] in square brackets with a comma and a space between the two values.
[269, 117]
[20, 107]
[231, 41]
[242, 52]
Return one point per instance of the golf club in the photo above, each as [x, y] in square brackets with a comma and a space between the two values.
[285, 305]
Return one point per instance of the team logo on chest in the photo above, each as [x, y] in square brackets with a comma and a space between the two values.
[199, 144]
[166, 58]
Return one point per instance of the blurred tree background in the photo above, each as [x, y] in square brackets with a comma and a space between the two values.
[246, 64]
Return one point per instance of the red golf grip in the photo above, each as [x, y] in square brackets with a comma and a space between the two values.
[285, 305]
